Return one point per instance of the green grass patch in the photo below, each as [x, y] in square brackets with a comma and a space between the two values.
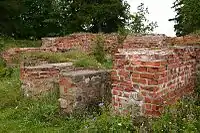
[20, 114]
[8, 42]
[80, 59]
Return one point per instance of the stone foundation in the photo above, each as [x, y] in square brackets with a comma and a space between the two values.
[80, 89]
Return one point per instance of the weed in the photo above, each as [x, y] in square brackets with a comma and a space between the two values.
[98, 49]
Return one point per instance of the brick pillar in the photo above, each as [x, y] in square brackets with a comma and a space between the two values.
[145, 80]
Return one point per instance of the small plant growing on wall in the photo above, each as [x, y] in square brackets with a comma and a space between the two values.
[98, 49]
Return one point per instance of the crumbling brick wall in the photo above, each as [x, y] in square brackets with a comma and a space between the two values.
[149, 72]
[42, 78]
[152, 78]
[85, 41]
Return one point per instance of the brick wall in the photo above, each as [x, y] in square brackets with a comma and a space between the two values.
[85, 40]
[152, 78]
[40, 79]
[147, 73]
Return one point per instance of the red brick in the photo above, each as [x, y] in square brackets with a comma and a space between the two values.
[151, 63]
[135, 75]
[153, 82]
[150, 88]
[148, 106]
[123, 73]
[118, 88]
[115, 78]
[155, 107]
[129, 68]
[148, 76]
[115, 92]
[129, 89]
[136, 62]
[148, 112]
[163, 63]
[62, 81]
[126, 84]
[115, 104]
[156, 69]
[158, 101]
[119, 56]
[147, 100]
[142, 81]
[152, 70]
[141, 69]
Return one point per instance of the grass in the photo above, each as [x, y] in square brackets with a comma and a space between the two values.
[8, 42]
[19, 114]
[80, 59]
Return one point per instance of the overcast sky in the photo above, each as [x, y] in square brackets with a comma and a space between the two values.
[159, 11]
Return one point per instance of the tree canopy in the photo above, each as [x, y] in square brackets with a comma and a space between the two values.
[187, 19]
[38, 18]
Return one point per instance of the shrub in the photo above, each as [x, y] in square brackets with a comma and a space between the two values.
[182, 117]
[98, 49]
[87, 63]
[107, 123]
[4, 70]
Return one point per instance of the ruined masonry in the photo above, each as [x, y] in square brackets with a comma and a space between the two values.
[152, 79]
[149, 72]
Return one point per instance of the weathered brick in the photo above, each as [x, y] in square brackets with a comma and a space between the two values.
[148, 76]
[151, 63]
[141, 81]
[141, 69]
[115, 92]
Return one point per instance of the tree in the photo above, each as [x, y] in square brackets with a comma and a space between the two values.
[100, 15]
[38, 18]
[178, 27]
[187, 19]
[9, 10]
[138, 23]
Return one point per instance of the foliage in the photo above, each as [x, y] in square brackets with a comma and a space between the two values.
[87, 63]
[187, 18]
[55, 57]
[78, 58]
[107, 123]
[4, 71]
[182, 117]
[105, 16]
[98, 49]
[35, 19]
[20, 114]
[138, 23]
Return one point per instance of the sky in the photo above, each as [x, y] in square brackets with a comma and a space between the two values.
[159, 11]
